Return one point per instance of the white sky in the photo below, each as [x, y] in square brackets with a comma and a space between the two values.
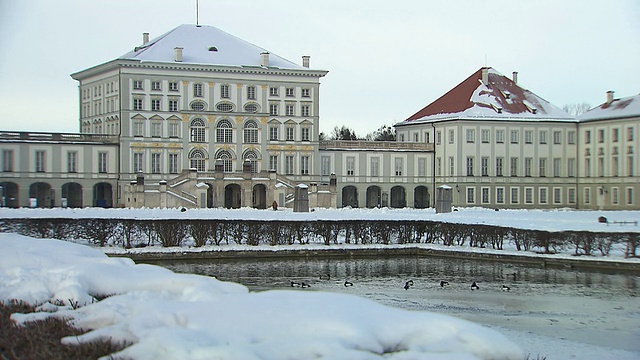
[386, 60]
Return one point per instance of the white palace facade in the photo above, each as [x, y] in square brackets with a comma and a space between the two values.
[200, 118]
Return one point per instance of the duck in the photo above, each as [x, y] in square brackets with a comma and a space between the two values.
[505, 288]
[475, 286]
[408, 284]
[444, 283]
[347, 283]
[304, 285]
[295, 284]
[325, 277]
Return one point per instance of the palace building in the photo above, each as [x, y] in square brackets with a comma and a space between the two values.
[200, 118]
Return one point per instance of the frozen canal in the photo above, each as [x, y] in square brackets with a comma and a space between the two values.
[575, 309]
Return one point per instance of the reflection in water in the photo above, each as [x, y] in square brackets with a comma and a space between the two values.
[427, 272]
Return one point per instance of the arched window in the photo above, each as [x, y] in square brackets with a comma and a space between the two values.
[252, 158]
[251, 132]
[224, 132]
[197, 160]
[198, 130]
[227, 160]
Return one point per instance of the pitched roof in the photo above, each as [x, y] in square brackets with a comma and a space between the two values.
[206, 45]
[498, 99]
[618, 108]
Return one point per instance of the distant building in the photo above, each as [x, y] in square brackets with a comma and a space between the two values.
[200, 118]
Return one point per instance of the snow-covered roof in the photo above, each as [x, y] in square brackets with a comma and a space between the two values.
[500, 98]
[207, 45]
[618, 108]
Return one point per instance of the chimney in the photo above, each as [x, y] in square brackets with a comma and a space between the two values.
[305, 60]
[264, 59]
[177, 51]
[145, 38]
[515, 76]
[485, 76]
[609, 96]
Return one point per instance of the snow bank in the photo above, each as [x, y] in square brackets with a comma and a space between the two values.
[181, 316]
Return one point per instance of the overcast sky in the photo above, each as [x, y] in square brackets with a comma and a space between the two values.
[386, 59]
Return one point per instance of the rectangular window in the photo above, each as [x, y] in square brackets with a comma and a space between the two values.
[290, 92]
[439, 166]
[138, 128]
[543, 167]
[484, 195]
[156, 85]
[290, 133]
[224, 91]
[138, 159]
[173, 86]
[571, 195]
[438, 137]
[137, 85]
[451, 166]
[556, 167]
[542, 195]
[138, 104]
[304, 165]
[514, 166]
[197, 90]
[471, 197]
[484, 134]
[72, 161]
[528, 162]
[630, 166]
[557, 137]
[571, 167]
[571, 137]
[629, 196]
[469, 166]
[415, 137]
[305, 131]
[587, 195]
[629, 134]
[515, 136]
[587, 137]
[422, 166]
[587, 167]
[325, 165]
[199, 164]
[601, 167]
[614, 196]
[173, 163]
[156, 129]
[306, 92]
[198, 134]
[251, 92]
[499, 166]
[250, 135]
[398, 165]
[499, 136]
[601, 136]
[557, 195]
[306, 110]
[615, 135]
[484, 166]
[615, 166]
[543, 136]
[451, 136]
[7, 160]
[273, 133]
[528, 195]
[102, 162]
[273, 109]
[40, 158]
[515, 195]
[273, 162]
[471, 135]
[288, 162]
[290, 109]
[375, 166]
[528, 137]
[174, 129]
[173, 105]
[273, 91]
[500, 195]
[351, 165]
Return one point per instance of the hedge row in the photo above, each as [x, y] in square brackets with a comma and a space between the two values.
[137, 233]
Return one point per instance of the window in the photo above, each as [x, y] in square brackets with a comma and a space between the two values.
[273, 91]
[601, 167]
[556, 167]
[224, 106]
[251, 107]
[587, 137]
[484, 195]
[515, 136]
[224, 132]
[305, 110]
[173, 163]
[587, 167]
[587, 195]
[629, 196]
[173, 105]
[601, 136]
[630, 166]
[514, 166]
[138, 128]
[7, 160]
[543, 167]
[542, 195]
[351, 165]
[451, 166]
[227, 161]
[273, 162]
[557, 137]
[250, 132]
[471, 135]
[197, 160]
[543, 136]
[422, 167]
[156, 85]
[290, 92]
[630, 134]
[224, 91]
[290, 136]
[500, 195]
[499, 166]
[471, 198]
[273, 132]
[288, 162]
[102, 162]
[528, 195]
[514, 195]
[325, 165]
[198, 130]
[616, 135]
[137, 85]
[174, 129]
[571, 195]
[273, 109]
[427, 138]
[305, 131]
[138, 104]
[451, 136]
[499, 136]
[615, 166]
[72, 161]
[528, 137]
[197, 105]
[290, 109]
[375, 166]
[306, 92]
[527, 166]
[252, 159]
[40, 158]
[484, 166]
[415, 137]
[156, 129]
[571, 137]
[173, 86]
[304, 165]
[438, 137]
[571, 167]
[469, 166]
[398, 164]
[484, 134]
[138, 159]
[251, 92]
[197, 90]
[439, 166]
[557, 195]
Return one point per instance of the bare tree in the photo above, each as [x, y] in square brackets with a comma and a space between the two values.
[576, 109]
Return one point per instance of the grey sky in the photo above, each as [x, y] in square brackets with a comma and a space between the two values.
[386, 59]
